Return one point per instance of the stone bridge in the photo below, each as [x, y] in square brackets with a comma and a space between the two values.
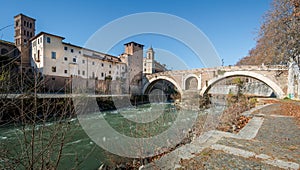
[282, 80]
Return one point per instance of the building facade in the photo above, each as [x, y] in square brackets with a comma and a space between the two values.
[59, 63]
[150, 65]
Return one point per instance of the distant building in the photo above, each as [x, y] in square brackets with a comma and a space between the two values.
[59, 62]
[150, 65]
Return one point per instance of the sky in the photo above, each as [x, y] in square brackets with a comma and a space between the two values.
[230, 25]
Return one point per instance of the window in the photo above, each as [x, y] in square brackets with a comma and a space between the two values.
[78, 72]
[79, 52]
[17, 23]
[102, 74]
[53, 78]
[38, 56]
[83, 72]
[93, 75]
[38, 41]
[66, 71]
[54, 69]
[72, 50]
[110, 66]
[66, 48]
[41, 39]
[93, 63]
[117, 66]
[48, 40]
[74, 60]
[102, 64]
[53, 55]
[109, 72]
[30, 25]
[83, 61]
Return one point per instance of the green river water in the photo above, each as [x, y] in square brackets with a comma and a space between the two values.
[79, 150]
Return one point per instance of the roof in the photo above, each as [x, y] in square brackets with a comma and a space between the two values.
[135, 43]
[24, 16]
[46, 34]
[7, 42]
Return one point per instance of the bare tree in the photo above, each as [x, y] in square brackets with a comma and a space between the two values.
[34, 144]
[278, 39]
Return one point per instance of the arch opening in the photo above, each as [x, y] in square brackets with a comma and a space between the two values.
[191, 83]
[277, 91]
[162, 90]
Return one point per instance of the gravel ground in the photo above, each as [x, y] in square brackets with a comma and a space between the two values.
[278, 137]
[211, 159]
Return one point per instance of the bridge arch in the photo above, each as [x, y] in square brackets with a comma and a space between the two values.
[162, 78]
[189, 81]
[278, 91]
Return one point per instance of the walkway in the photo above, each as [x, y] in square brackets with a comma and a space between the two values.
[266, 142]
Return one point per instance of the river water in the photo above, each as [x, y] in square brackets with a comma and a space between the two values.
[80, 151]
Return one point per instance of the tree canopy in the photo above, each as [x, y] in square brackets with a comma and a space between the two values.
[278, 38]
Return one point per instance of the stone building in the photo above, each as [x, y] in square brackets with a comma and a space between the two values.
[150, 65]
[59, 63]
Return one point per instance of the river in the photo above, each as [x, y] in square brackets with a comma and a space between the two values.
[79, 150]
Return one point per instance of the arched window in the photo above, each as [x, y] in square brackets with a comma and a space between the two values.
[4, 51]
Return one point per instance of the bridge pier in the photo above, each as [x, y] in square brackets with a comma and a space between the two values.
[293, 81]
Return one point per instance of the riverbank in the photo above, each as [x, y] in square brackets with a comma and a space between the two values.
[269, 141]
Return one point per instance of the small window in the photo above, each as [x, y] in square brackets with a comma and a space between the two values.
[48, 40]
[66, 48]
[79, 52]
[102, 64]
[53, 55]
[144, 69]
[41, 39]
[93, 63]
[110, 66]
[78, 72]
[66, 58]
[66, 71]
[30, 25]
[109, 72]
[54, 69]
[102, 74]
[72, 50]
[83, 72]
[93, 75]
[74, 60]
[53, 78]
[83, 61]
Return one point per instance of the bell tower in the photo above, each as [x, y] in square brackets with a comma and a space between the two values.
[24, 29]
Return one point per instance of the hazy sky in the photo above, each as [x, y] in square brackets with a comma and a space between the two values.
[231, 25]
